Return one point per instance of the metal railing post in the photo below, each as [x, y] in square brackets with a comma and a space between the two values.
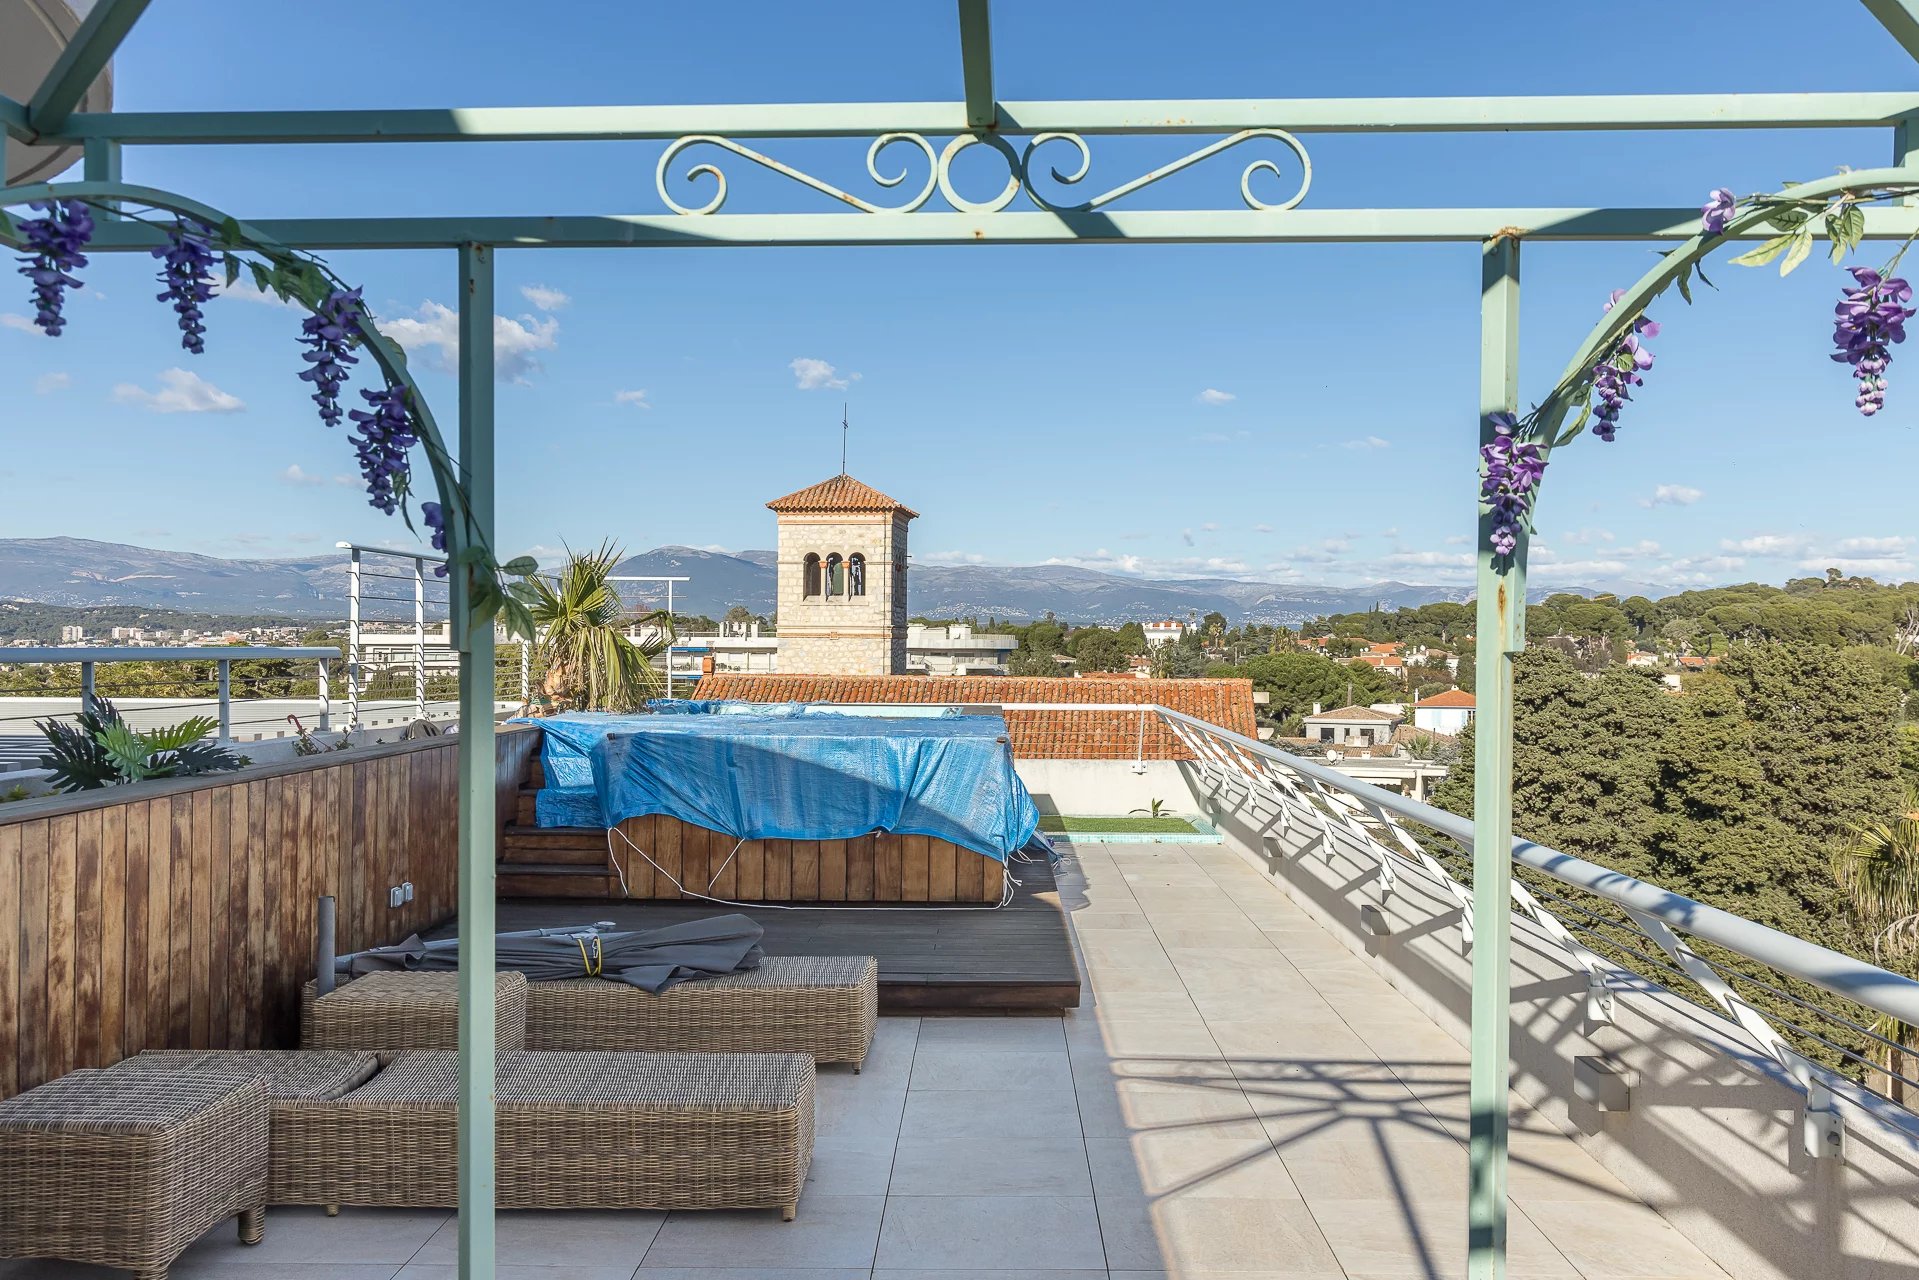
[419, 638]
[326, 697]
[225, 669]
[354, 672]
[87, 699]
[526, 673]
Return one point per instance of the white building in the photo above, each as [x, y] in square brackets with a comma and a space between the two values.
[956, 650]
[73, 635]
[1448, 713]
[1165, 631]
[1350, 726]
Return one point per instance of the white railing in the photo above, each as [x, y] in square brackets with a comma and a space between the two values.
[88, 658]
[399, 589]
[1326, 811]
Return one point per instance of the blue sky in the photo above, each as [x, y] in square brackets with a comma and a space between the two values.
[1034, 403]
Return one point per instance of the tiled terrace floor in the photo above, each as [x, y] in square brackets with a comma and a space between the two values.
[1241, 1097]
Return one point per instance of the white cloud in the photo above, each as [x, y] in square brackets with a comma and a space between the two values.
[48, 383]
[1369, 442]
[810, 375]
[1213, 395]
[1875, 548]
[25, 324]
[635, 398]
[1673, 495]
[243, 290]
[1186, 536]
[1582, 537]
[295, 474]
[1871, 566]
[181, 391]
[1432, 559]
[1211, 526]
[1457, 540]
[544, 297]
[435, 328]
[1765, 544]
[1262, 528]
[949, 557]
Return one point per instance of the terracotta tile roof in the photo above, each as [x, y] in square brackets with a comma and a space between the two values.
[1350, 713]
[841, 493]
[1036, 735]
[1450, 698]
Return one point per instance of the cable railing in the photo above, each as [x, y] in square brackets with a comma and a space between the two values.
[1773, 990]
[206, 685]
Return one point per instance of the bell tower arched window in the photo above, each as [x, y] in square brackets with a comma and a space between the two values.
[835, 575]
[856, 574]
[810, 575]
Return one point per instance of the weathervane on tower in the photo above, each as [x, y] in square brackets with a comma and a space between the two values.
[843, 430]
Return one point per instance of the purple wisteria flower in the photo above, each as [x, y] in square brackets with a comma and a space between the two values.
[55, 241]
[1511, 480]
[329, 334]
[435, 517]
[383, 435]
[1868, 320]
[1720, 205]
[188, 277]
[1621, 370]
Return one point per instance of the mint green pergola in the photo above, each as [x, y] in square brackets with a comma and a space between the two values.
[1018, 213]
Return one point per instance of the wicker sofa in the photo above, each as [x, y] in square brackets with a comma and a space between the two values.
[574, 1131]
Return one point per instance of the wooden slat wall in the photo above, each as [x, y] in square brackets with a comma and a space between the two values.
[181, 914]
[880, 867]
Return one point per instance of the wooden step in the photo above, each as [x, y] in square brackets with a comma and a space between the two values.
[553, 844]
[536, 880]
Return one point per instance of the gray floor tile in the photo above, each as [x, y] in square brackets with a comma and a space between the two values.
[1181, 1234]
[508, 1271]
[962, 1113]
[1018, 1034]
[849, 1167]
[1005, 1164]
[990, 1233]
[309, 1236]
[552, 1238]
[831, 1231]
[752, 1273]
[958, 1067]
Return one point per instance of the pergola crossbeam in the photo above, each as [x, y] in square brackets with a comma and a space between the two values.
[81, 63]
[976, 61]
[1148, 226]
[1901, 19]
[1568, 113]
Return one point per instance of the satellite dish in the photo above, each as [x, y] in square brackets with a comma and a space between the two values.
[33, 33]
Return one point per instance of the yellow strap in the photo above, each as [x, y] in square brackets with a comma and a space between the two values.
[596, 962]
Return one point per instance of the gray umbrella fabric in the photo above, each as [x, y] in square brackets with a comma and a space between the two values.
[653, 960]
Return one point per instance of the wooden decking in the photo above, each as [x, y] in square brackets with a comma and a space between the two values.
[1014, 959]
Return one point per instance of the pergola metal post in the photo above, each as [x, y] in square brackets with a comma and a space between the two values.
[1500, 635]
[419, 637]
[354, 657]
[476, 779]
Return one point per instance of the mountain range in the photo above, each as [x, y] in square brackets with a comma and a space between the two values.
[82, 572]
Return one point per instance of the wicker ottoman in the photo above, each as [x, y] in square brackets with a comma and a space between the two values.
[289, 1075]
[822, 1005]
[126, 1170]
[573, 1131]
[400, 1010]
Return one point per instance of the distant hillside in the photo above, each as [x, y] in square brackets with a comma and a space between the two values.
[80, 573]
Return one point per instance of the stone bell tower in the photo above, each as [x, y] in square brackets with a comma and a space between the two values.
[842, 580]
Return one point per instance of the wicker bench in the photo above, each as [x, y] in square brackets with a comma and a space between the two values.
[401, 1010]
[125, 1170]
[573, 1131]
[825, 1006]
[290, 1075]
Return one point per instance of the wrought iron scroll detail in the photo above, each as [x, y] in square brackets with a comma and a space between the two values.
[1019, 172]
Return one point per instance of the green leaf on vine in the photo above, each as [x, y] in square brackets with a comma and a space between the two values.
[1796, 254]
[230, 231]
[518, 618]
[470, 555]
[233, 270]
[521, 566]
[1763, 254]
[1685, 284]
[1579, 425]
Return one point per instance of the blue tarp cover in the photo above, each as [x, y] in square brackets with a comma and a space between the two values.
[789, 776]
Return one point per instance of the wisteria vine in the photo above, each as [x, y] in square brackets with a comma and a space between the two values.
[1869, 320]
[384, 433]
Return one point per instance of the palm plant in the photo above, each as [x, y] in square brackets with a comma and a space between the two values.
[1879, 871]
[583, 645]
[102, 750]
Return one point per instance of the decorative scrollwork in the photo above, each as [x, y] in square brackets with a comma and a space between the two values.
[1166, 171]
[880, 144]
[1019, 172]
